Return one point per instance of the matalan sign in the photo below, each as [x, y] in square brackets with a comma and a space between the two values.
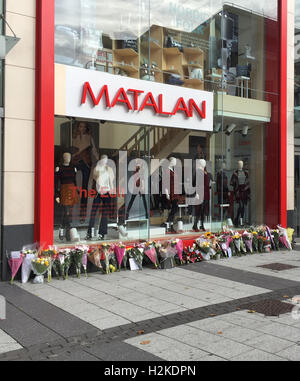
[104, 96]
[122, 97]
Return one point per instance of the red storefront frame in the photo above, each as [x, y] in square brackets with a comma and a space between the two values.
[276, 175]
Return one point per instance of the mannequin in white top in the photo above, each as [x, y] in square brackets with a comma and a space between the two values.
[104, 178]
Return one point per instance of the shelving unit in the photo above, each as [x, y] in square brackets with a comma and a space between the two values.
[167, 60]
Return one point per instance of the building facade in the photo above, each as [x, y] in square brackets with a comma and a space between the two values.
[116, 103]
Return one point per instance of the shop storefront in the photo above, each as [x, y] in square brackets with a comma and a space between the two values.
[179, 88]
[129, 91]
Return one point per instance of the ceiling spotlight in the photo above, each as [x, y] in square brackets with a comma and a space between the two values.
[245, 130]
[217, 127]
[230, 128]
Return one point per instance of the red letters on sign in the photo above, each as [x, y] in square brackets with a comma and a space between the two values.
[202, 113]
[87, 88]
[120, 100]
[148, 101]
[181, 108]
[152, 104]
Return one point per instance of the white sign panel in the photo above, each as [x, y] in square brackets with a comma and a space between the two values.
[103, 96]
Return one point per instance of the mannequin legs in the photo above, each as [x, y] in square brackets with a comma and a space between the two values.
[85, 170]
[105, 198]
[240, 212]
[132, 201]
[200, 213]
[172, 213]
[65, 222]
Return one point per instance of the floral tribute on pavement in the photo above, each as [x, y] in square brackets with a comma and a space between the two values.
[110, 258]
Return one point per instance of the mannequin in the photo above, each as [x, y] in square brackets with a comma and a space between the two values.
[222, 186]
[241, 188]
[65, 194]
[171, 196]
[104, 178]
[83, 143]
[201, 210]
[139, 186]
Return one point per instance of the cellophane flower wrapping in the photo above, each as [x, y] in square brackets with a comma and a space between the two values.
[50, 254]
[85, 250]
[150, 252]
[167, 251]
[283, 236]
[260, 240]
[94, 255]
[77, 255]
[137, 253]
[58, 265]
[276, 239]
[179, 248]
[40, 266]
[14, 262]
[28, 256]
[65, 262]
[120, 252]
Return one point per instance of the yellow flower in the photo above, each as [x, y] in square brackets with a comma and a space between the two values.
[208, 235]
[47, 263]
[255, 233]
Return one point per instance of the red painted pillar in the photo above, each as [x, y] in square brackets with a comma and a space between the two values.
[276, 130]
[283, 13]
[44, 123]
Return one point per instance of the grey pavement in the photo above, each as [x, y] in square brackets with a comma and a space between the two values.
[188, 313]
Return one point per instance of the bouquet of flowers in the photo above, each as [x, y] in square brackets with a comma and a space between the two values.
[276, 238]
[58, 264]
[237, 242]
[137, 253]
[267, 244]
[50, 255]
[248, 239]
[120, 253]
[65, 258]
[85, 250]
[108, 254]
[224, 243]
[150, 252]
[254, 241]
[15, 259]
[166, 251]
[95, 256]
[29, 253]
[194, 254]
[284, 239]
[77, 255]
[179, 249]
[40, 266]
[260, 240]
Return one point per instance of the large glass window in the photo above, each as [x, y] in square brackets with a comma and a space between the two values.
[201, 45]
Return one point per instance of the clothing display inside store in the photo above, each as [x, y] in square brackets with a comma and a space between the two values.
[66, 194]
[241, 188]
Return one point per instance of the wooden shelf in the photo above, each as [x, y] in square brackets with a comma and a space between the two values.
[192, 51]
[126, 67]
[193, 82]
[128, 52]
[172, 51]
[173, 71]
[198, 66]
